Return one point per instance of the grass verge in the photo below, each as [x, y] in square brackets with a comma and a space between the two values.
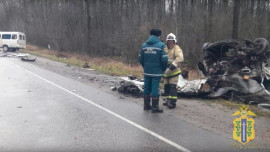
[111, 66]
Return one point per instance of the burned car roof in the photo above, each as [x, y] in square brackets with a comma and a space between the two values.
[220, 45]
[219, 49]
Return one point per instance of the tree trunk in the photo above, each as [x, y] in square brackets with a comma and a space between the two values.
[88, 20]
[236, 13]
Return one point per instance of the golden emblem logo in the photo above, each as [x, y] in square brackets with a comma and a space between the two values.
[244, 130]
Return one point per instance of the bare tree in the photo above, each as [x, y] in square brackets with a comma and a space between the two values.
[236, 13]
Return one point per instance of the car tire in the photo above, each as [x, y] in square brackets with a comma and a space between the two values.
[5, 48]
[262, 45]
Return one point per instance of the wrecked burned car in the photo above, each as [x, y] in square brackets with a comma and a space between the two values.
[237, 70]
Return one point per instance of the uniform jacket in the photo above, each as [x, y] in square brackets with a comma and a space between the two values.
[175, 56]
[153, 57]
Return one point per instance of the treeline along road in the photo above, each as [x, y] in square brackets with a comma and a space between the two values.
[116, 28]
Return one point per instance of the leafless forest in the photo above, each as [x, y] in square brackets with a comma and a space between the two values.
[117, 28]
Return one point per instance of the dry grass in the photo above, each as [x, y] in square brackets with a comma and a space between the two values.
[112, 66]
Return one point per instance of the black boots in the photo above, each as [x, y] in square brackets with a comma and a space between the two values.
[166, 102]
[147, 105]
[155, 106]
[155, 101]
[172, 103]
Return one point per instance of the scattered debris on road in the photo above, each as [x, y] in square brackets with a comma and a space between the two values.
[29, 58]
[23, 56]
[132, 86]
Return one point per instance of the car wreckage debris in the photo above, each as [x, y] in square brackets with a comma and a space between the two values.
[24, 56]
[264, 106]
[238, 70]
[131, 86]
[134, 86]
[29, 58]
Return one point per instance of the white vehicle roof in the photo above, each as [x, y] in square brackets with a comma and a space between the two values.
[11, 32]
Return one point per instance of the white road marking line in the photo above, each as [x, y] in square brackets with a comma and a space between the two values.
[179, 147]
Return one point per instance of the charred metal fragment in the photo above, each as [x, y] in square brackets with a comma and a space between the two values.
[131, 86]
[28, 58]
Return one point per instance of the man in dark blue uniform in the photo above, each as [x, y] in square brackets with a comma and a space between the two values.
[154, 61]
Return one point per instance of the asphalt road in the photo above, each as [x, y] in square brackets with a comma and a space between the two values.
[44, 111]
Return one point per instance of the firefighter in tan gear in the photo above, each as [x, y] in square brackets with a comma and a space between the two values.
[173, 71]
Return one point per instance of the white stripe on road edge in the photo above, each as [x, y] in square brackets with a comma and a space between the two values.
[109, 111]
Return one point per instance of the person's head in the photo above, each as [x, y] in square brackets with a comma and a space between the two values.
[155, 32]
[171, 40]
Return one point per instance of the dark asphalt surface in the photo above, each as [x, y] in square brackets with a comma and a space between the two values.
[35, 115]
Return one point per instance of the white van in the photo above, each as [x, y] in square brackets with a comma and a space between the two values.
[12, 41]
